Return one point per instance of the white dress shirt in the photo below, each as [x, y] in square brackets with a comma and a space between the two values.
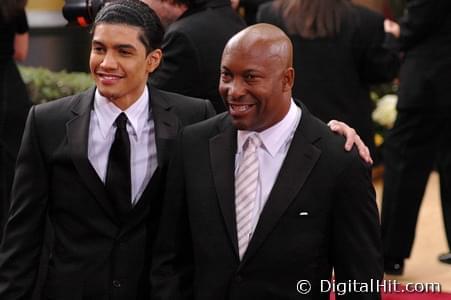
[276, 141]
[141, 130]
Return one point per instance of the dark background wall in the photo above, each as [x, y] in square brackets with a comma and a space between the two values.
[58, 48]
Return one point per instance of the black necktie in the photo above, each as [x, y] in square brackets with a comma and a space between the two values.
[118, 178]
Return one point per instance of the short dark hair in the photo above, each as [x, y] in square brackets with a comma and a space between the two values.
[133, 13]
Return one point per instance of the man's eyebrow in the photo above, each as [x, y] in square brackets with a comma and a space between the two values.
[119, 46]
[125, 46]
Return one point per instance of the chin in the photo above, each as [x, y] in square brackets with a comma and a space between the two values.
[241, 125]
[108, 94]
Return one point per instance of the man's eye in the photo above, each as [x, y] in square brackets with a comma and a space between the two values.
[225, 75]
[97, 49]
[125, 52]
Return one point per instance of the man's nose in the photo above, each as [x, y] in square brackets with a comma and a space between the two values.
[109, 61]
[236, 88]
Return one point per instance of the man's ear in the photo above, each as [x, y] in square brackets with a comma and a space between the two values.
[153, 60]
[288, 79]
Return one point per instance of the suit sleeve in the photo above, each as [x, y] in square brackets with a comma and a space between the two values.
[179, 70]
[24, 230]
[380, 61]
[173, 265]
[357, 249]
[422, 19]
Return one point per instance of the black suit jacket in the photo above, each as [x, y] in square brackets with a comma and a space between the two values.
[321, 214]
[426, 70]
[94, 257]
[251, 8]
[333, 75]
[192, 50]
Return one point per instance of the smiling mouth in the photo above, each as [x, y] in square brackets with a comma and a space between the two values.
[109, 76]
[240, 108]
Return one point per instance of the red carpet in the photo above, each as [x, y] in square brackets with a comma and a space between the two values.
[393, 290]
[417, 296]
[412, 296]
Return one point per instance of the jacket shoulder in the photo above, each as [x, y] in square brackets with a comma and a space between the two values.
[209, 127]
[194, 24]
[189, 110]
[60, 109]
[329, 143]
[179, 99]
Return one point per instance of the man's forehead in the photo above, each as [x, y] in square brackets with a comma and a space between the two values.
[116, 31]
[252, 52]
[109, 26]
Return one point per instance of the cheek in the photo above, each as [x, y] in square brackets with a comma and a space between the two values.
[161, 12]
[222, 89]
[94, 61]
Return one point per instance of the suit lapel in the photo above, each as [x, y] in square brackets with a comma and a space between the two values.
[166, 124]
[222, 158]
[77, 134]
[166, 129]
[299, 162]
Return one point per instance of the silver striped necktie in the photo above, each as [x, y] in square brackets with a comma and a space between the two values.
[246, 181]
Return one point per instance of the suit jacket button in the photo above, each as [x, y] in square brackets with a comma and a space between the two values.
[238, 278]
[117, 283]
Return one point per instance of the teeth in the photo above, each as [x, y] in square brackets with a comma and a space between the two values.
[240, 107]
[110, 77]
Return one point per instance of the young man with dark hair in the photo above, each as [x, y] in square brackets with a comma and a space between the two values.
[95, 163]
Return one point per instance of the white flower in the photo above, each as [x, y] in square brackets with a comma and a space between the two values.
[385, 112]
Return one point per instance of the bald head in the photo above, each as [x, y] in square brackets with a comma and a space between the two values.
[257, 77]
[266, 38]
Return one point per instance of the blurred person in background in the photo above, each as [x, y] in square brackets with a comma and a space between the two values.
[14, 100]
[421, 136]
[250, 9]
[196, 33]
[339, 52]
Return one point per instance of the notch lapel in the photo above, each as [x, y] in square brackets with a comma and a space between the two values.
[222, 158]
[299, 162]
[77, 135]
[166, 123]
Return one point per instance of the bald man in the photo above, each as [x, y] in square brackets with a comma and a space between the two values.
[262, 200]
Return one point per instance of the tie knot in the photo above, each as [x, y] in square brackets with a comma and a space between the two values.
[121, 121]
[253, 142]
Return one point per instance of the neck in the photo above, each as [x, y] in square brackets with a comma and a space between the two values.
[125, 101]
[181, 9]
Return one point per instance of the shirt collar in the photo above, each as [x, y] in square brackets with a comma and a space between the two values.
[106, 113]
[274, 137]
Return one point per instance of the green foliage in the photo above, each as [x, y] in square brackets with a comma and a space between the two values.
[44, 85]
